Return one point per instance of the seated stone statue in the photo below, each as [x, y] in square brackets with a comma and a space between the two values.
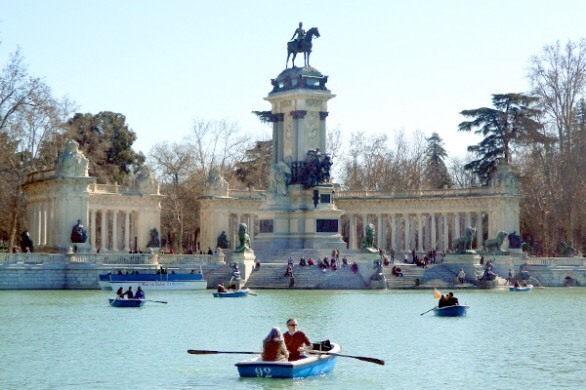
[154, 241]
[515, 241]
[26, 243]
[78, 233]
[223, 241]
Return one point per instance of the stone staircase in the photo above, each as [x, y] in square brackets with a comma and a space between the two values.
[281, 255]
[412, 276]
[271, 276]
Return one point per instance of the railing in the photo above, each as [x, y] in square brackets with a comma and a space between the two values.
[244, 194]
[112, 258]
[570, 261]
[108, 258]
[40, 175]
[31, 258]
[112, 189]
[190, 259]
[453, 192]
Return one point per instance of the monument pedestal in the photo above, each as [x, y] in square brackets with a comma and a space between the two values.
[245, 261]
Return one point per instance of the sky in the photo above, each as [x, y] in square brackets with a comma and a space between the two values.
[394, 66]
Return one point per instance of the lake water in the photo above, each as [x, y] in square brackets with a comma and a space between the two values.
[75, 340]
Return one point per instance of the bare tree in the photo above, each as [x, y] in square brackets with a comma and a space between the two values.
[558, 78]
[29, 115]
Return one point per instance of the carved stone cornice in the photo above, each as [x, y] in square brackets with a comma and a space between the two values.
[278, 117]
[299, 114]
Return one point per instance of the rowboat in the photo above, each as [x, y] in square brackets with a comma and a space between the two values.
[232, 294]
[451, 311]
[313, 364]
[151, 281]
[114, 302]
[526, 288]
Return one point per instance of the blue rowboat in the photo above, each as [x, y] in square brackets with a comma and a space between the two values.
[232, 294]
[126, 302]
[313, 364]
[451, 311]
[526, 288]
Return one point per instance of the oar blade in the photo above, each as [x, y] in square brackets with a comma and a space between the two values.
[208, 352]
[201, 352]
[371, 360]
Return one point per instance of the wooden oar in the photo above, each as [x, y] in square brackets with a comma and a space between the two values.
[363, 358]
[428, 310]
[206, 352]
[150, 300]
[251, 293]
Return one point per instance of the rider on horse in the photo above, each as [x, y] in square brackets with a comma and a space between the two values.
[300, 32]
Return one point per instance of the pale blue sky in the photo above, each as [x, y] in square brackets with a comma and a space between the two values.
[392, 65]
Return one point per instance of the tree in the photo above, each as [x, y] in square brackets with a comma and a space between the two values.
[512, 120]
[253, 170]
[436, 173]
[558, 78]
[106, 140]
[29, 115]
[173, 164]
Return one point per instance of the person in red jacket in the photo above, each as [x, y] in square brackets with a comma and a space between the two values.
[295, 339]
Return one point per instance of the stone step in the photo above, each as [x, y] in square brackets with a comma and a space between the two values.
[272, 276]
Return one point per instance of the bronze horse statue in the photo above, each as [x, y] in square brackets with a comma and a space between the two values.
[302, 47]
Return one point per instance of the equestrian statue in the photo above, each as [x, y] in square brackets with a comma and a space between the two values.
[301, 44]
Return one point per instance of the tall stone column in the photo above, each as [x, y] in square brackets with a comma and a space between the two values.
[126, 230]
[93, 229]
[381, 232]
[394, 232]
[115, 230]
[457, 229]
[104, 233]
[420, 233]
[433, 244]
[479, 232]
[407, 244]
[446, 233]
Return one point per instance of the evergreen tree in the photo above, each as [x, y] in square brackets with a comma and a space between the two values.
[511, 121]
[436, 172]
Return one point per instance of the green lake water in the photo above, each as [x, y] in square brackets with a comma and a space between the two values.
[75, 340]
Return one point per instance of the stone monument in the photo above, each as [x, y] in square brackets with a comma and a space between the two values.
[299, 210]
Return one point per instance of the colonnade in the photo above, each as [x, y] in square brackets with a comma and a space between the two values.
[40, 215]
[112, 229]
[419, 231]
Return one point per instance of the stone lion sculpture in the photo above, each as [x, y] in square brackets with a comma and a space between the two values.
[496, 244]
[244, 239]
[464, 244]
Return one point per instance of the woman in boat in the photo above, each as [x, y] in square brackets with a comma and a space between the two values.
[443, 301]
[120, 293]
[221, 288]
[452, 300]
[273, 347]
